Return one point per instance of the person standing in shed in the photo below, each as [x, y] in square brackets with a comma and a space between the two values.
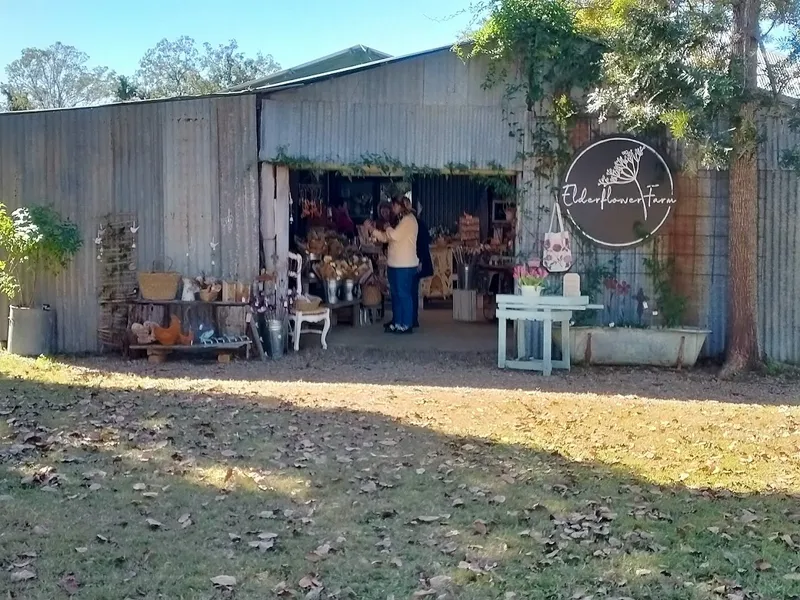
[402, 263]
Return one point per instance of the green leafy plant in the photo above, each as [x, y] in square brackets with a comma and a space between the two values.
[671, 305]
[34, 240]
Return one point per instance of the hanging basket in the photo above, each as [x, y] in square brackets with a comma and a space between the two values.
[159, 285]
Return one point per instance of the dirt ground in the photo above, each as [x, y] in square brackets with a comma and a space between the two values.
[388, 475]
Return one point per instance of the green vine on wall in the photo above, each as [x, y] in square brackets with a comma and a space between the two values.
[494, 177]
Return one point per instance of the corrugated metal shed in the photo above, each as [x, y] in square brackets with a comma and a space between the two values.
[429, 111]
[187, 169]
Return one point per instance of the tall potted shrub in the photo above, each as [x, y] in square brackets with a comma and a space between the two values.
[35, 242]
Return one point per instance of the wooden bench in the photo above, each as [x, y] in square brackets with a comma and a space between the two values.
[157, 353]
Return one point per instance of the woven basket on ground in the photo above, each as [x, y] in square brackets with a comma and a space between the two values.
[158, 285]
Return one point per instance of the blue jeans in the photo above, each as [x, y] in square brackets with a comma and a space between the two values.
[401, 284]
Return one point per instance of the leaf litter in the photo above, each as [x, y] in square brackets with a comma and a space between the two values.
[380, 463]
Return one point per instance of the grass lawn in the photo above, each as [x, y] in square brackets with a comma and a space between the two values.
[309, 479]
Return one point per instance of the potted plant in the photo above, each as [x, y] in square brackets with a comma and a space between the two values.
[34, 241]
[651, 334]
[530, 277]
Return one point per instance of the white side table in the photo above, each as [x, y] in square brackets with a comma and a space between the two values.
[547, 309]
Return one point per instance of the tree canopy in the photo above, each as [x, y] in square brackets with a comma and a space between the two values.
[62, 76]
[179, 68]
[55, 77]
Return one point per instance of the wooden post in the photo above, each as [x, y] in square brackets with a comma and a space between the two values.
[275, 209]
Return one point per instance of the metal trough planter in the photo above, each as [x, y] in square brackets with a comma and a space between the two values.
[677, 347]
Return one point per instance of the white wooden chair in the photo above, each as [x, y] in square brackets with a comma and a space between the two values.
[299, 317]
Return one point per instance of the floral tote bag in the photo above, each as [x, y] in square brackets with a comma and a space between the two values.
[557, 256]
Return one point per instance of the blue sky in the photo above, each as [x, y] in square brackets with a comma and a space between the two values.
[116, 34]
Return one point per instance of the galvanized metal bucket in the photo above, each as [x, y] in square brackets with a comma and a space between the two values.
[275, 338]
[466, 276]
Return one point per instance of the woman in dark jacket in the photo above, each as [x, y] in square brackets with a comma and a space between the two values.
[425, 268]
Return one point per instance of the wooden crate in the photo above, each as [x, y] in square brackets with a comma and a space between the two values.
[469, 230]
[465, 305]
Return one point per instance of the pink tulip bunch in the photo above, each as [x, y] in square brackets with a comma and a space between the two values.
[531, 274]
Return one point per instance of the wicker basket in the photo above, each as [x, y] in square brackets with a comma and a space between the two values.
[371, 294]
[307, 304]
[209, 294]
[158, 285]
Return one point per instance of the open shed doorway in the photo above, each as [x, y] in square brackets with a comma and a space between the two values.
[450, 321]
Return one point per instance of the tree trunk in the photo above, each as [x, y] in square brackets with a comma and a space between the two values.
[742, 339]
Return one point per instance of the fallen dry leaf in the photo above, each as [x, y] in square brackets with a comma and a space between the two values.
[262, 545]
[762, 565]
[153, 523]
[308, 582]
[24, 575]
[498, 500]
[748, 517]
[224, 580]
[69, 584]
[228, 453]
[139, 486]
[440, 582]
[792, 577]
[369, 487]
[81, 550]
[480, 527]
[428, 519]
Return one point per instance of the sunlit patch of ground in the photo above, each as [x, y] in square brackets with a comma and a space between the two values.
[338, 475]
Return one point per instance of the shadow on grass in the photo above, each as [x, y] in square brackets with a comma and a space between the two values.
[386, 505]
[467, 370]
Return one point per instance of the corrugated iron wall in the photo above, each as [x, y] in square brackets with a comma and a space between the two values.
[445, 198]
[778, 244]
[186, 169]
[429, 112]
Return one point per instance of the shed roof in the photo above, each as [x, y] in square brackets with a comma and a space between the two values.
[349, 57]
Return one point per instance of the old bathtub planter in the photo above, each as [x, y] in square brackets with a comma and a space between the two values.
[658, 347]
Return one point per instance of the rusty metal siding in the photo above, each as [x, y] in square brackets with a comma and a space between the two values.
[160, 161]
[238, 187]
[431, 111]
